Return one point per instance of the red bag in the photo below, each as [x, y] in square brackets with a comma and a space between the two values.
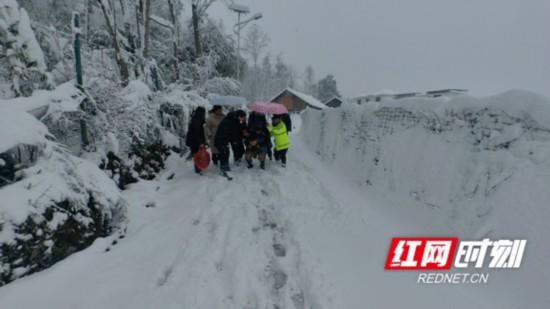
[202, 158]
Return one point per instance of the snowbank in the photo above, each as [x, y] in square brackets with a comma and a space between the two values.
[51, 202]
[64, 98]
[462, 157]
[480, 166]
[13, 133]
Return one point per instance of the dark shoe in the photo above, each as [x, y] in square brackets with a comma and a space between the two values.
[262, 165]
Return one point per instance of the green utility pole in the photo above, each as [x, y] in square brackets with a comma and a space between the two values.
[77, 58]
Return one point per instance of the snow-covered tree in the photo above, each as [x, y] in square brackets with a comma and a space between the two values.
[198, 10]
[21, 50]
[266, 78]
[109, 13]
[328, 88]
[281, 75]
[309, 84]
[256, 41]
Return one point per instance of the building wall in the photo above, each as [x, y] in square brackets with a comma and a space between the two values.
[292, 103]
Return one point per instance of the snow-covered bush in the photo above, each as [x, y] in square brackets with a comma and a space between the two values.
[222, 86]
[52, 203]
[480, 163]
[135, 130]
[175, 108]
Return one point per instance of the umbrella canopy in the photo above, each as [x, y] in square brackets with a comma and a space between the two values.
[228, 101]
[268, 108]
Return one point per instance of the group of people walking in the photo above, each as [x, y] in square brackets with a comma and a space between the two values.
[253, 138]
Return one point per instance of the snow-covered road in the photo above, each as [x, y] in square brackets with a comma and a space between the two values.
[206, 243]
[301, 237]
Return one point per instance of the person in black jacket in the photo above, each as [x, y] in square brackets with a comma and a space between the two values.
[287, 121]
[230, 132]
[195, 132]
[257, 123]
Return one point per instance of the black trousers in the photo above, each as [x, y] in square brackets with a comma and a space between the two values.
[280, 155]
[223, 156]
[238, 151]
[215, 158]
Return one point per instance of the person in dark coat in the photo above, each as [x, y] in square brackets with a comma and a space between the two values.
[230, 132]
[195, 132]
[213, 120]
[258, 123]
[288, 122]
[257, 143]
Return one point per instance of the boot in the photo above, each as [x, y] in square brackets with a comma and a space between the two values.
[262, 165]
[250, 165]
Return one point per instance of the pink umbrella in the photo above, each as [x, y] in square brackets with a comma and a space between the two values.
[268, 108]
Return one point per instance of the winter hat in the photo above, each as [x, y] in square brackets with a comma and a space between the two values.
[199, 113]
[215, 108]
[240, 113]
[252, 136]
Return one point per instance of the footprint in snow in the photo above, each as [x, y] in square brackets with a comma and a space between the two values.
[279, 250]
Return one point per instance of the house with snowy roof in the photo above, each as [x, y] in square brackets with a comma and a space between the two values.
[446, 93]
[397, 96]
[296, 101]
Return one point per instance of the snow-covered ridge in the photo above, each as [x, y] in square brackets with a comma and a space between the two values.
[479, 162]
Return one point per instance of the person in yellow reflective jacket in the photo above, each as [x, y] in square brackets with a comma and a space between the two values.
[278, 130]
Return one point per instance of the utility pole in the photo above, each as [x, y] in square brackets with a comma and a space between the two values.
[241, 10]
[76, 46]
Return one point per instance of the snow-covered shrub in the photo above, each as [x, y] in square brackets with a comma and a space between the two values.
[175, 108]
[62, 110]
[52, 203]
[118, 170]
[135, 130]
[143, 162]
[222, 86]
[477, 162]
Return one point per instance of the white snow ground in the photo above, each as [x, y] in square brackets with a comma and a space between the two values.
[209, 243]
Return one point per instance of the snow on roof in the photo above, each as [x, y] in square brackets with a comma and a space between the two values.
[334, 98]
[305, 97]
[447, 91]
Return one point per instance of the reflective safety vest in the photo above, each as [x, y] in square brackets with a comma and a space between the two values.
[280, 134]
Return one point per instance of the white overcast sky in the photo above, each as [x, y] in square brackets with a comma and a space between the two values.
[486, 46]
